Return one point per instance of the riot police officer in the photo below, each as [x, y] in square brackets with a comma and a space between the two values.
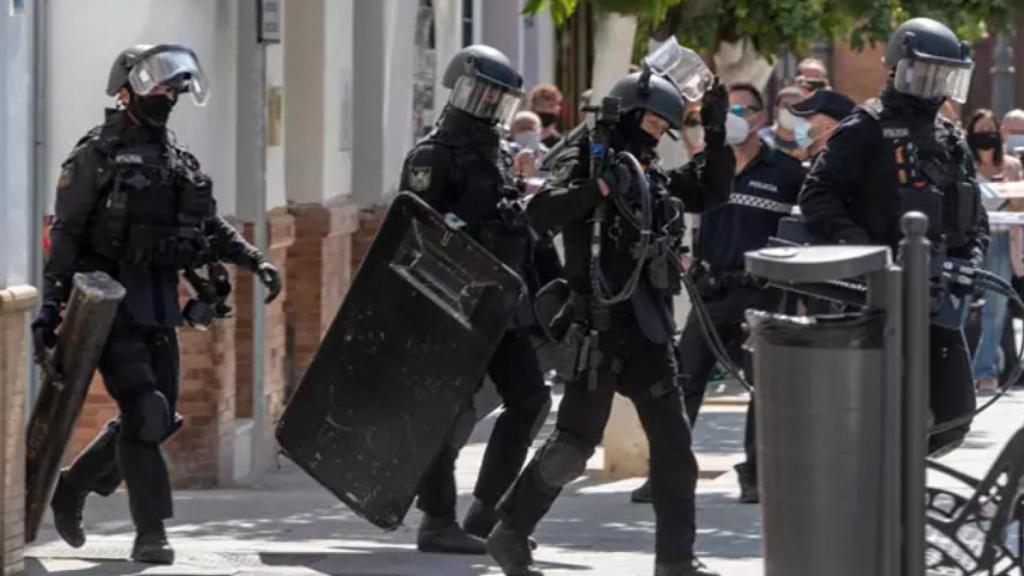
[463, 169]
[621, 218]
[898, 154]
[132, 203]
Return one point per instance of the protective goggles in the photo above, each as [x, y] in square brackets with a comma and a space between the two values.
[927, 77]
[485, 98]
[171, 66]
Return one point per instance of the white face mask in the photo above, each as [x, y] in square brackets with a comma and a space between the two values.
[736, 129]
[528, 140]
[1014, 141]
[786, 119]
[693, 135]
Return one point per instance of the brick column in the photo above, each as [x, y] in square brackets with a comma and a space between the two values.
[319, 272]
[369, 223]
[15, 305]
[201, 454]
[281, 238]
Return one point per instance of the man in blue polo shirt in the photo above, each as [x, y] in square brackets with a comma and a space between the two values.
[765, 189]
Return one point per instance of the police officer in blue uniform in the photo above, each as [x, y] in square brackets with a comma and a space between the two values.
[463, 168]
[132, 203]
[898, 154]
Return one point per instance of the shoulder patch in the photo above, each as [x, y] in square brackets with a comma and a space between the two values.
[419, 178]
[67, 173]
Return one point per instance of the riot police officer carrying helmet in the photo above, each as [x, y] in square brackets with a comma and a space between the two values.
[621, 219]
[464, 170]
[133, 204]
[898, 154]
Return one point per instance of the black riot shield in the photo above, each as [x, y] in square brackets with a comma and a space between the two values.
[83, 333]
[408, 347]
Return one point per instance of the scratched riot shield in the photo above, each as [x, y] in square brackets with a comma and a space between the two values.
[408, 347]
[83, 333]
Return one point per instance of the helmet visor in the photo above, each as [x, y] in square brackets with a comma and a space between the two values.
[480, 97]
[926, 78]
[684, 66]
[175, 68]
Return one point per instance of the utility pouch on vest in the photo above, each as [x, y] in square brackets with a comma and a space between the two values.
[195, 201]
[965, 207]
[928, 200]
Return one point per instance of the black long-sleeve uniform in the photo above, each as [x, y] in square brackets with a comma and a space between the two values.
[133, 205]
[635, 349]
[853, 194]
[462, 169]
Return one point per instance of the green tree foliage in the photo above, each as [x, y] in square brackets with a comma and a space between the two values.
[794, 24]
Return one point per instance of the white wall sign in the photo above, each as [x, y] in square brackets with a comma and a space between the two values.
[270, 30]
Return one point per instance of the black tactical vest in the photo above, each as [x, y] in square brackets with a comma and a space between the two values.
[933, 174]
[485, 195]
[152, 212]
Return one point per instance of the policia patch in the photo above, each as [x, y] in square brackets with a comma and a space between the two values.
[419, 178]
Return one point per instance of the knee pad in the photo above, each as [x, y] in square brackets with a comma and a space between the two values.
[148, 418]
[561, 460]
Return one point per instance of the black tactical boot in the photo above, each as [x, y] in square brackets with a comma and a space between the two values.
[443, 535]
[643, 494]
[151, 547]
[67, 504]
[480, 520]
[511, 551]
[749, 493]
[692, 567]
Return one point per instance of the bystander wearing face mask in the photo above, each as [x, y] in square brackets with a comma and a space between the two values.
[527, 140]
[737, 128]
[802, 132]
[1014, 141]
[694, 135]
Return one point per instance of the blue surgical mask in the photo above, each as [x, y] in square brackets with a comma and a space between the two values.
[1014, 141]
[802, 132]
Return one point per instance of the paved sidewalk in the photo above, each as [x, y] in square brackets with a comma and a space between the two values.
[287, 525]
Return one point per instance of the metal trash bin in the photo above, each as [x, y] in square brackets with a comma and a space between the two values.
[820, 385]
[829, 404]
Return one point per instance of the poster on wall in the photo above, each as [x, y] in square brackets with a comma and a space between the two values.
[270, 28]
[17, 7]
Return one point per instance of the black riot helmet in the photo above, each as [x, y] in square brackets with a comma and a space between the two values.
[143, 67]
[928, 61]
[650, 92]
[483, 83]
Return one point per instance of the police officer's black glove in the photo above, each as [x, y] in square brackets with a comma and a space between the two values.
[271, 279]
[617, 177]
[44, 331]
[714, 108]
[977, 258]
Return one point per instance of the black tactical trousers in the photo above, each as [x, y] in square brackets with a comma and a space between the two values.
[520, 383]
[696, 360]
[646, 373]
[952, 385]
[137, 361]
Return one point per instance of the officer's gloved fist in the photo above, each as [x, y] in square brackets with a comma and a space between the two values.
[271, 279]
[615, 178]
[714, 108]
[44, 330]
